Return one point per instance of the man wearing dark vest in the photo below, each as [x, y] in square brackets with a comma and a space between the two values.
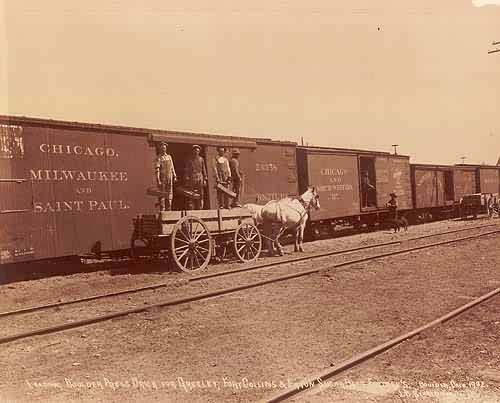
[195, 178]
[236, 174]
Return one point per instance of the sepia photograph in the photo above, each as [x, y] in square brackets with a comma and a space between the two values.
[250, 201]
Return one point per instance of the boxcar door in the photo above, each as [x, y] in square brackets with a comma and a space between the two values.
[16, 199]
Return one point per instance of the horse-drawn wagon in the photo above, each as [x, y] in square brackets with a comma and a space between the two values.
[193, 237]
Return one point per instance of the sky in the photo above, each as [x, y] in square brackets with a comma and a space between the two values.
[357, 74]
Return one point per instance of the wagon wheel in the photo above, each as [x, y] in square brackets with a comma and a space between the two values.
[191, 244]
[247, 242]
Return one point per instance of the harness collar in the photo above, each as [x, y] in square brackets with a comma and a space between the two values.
[303, 202]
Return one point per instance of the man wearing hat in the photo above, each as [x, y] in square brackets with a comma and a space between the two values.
[195, 178]
[222, 176]
[366, 189]
[392, 205]
[165, 176]
[236, 174]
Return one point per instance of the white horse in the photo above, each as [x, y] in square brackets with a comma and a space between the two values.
[289, 213]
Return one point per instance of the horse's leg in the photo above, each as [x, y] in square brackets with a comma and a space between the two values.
[268, 233]
[300, 235]
[277, 240]
[297, 240]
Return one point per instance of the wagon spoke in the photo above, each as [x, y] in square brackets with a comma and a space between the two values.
[204, 241]
[241, 248]
[196, 258]
[181, 248]
[252, 238]
[190, 261]
[200, 234]
[203, 249]
[181, 230]
[181, 240]
[182, 254]
[185, 260]
[199, 254]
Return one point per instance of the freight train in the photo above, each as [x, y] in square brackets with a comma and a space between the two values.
[66, 187]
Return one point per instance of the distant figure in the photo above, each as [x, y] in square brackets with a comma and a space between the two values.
[165, 177]
[195, 178]
[392, 205]
[366, 188]
[223, 176]
[492, 206]
[237, 176]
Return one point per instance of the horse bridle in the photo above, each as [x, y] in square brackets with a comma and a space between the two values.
[306, 205]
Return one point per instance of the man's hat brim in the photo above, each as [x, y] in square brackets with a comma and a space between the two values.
[196, 146]
[393, 194]
[236, 151]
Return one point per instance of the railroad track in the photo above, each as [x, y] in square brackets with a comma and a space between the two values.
[233, 271]
[320, 378]
[225, 291]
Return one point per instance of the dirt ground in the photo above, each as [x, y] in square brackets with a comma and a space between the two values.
[245, 345]
[455, 362]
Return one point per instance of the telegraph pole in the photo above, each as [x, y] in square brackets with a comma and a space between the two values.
[395, 148]
[463, 160]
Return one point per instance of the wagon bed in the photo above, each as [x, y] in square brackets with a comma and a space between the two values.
[193, 237]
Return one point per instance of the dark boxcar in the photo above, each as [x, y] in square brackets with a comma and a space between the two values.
[465, 181]
[66, 186]
[353, 185]
[433, 186]
[487, 177]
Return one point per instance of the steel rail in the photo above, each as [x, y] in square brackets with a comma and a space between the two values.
[225, 291]
[357, 359]
[224, 273]
[325, 254]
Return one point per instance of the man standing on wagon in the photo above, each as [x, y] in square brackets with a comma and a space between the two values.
[165, 177]
[236, 174]
[195, 178]
[223, 176]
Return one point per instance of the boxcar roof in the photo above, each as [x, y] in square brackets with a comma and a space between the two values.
[335, 150]
[438, 166]
[152, 134]
[477, 166]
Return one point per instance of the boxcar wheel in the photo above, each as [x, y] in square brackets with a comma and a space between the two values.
[247, 242]
[191, 244]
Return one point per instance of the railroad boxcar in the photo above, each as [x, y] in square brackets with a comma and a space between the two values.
[487, 177]
[433, 190]
[68, 186]
[337, 174]
[465, 181]
[438, 189]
